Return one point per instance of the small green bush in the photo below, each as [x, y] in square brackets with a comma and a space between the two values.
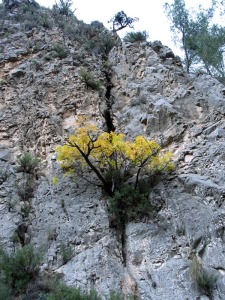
[19, 268]
[128, 204]
[27, 163]
[25, 210]
[34, 16]
[205, 279]
[3, 175]
[62, 291]
[63, 8]
[102, 43]
[118, 296]
[89, 80]
[5, 291]
[115, 296]
[66, 253]
[139, 36]
[60, 51]
[25, 190]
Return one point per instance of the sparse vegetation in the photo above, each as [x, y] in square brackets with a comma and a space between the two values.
[66, 252]
[3, 175]
[60, 51]
[205, 279]
[121, 21]
[89, 80]
[63, 8]
[122, 205]
[62, 291]
[25, 190]
[138, 36]
[102, 43]
[19, 268]
[118, 296]
[55, 180]
[5, 291]
[27, 163]
[33, 16]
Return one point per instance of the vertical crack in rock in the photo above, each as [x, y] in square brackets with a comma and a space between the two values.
[107, 114]
[123, 242]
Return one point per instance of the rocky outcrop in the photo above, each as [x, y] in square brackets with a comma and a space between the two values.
[9, 4]
[146, 92]
[155, 97]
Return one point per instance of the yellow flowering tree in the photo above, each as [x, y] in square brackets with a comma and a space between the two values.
[111, 158]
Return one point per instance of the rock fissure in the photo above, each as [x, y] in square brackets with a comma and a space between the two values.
[108, 113]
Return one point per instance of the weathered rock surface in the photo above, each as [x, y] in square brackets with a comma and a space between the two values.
[41, 98]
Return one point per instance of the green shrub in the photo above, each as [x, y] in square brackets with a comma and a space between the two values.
[89, 80]
[62, 291]
[33, 16]
[15, 237]
[102, 43]
[63, 8]
[128, 204]
[118, 296]
[19, 268]
[25, 190]
[115, 296]
[5, 291]
[60, 51]
[36, 64]
[25, 210]
[27, 163]
[3, 175]
[45, 20]
[205, 279]
[66, 253]
[139, 36]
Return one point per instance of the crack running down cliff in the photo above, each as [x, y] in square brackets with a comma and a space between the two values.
[107, 114]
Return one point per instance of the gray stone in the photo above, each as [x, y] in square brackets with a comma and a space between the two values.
[18, 72]
[4, 154]
[149, 95]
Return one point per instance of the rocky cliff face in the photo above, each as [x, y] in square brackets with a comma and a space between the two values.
[144, 91]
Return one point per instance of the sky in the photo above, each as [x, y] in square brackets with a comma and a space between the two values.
[150, 13]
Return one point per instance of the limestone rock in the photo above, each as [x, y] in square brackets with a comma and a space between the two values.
[145, 91]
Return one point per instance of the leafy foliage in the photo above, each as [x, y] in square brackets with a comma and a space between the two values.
[202, 41]
[111, 158]
[208, 44]
[138, 36]
[121, 20]
[19, 268]
[27, 163]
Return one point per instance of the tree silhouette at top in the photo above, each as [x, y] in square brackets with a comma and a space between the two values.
[121, 20]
